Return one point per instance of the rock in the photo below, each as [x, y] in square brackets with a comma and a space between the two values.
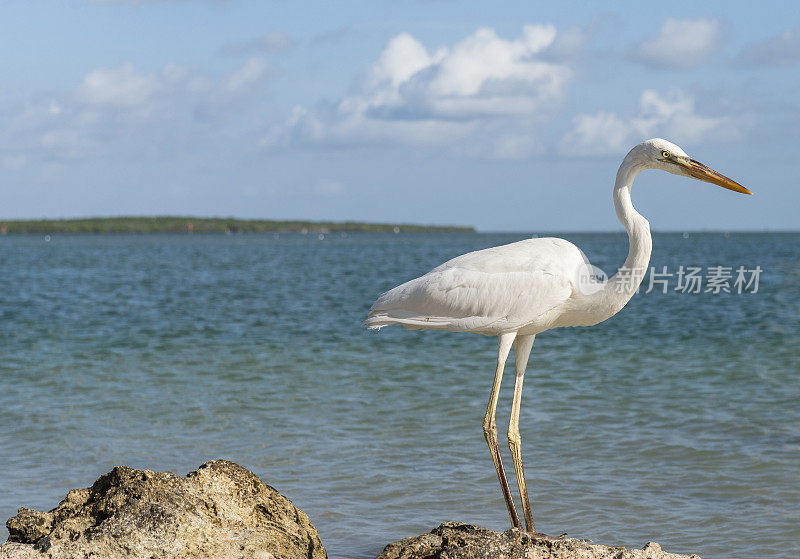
[453, 540]
[219, 510]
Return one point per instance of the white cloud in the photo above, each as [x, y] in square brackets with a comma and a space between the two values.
[45, 129]
[778, 50]
[681, 43]
[124, 90]
[246, 76]
[672, 116]
[453, 96]
[120, 87]
[111, 106]
[69, 142]
[598, 134]
[515, 146]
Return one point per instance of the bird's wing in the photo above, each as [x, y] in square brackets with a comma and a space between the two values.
[488, 291]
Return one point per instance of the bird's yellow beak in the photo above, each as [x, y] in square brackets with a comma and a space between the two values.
[697, 170]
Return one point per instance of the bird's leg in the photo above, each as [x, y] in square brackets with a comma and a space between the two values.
[522, 350]
[490, 428]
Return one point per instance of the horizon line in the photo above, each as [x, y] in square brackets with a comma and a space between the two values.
[407, 223]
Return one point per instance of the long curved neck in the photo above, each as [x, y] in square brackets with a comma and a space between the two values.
[622, 285]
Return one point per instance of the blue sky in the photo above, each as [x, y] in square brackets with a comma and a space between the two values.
[507, 116]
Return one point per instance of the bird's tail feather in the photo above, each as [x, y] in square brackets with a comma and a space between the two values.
[411, 320]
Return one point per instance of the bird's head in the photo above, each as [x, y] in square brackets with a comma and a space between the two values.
[661, 154]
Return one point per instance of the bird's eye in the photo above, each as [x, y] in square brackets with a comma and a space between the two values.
[665, 154]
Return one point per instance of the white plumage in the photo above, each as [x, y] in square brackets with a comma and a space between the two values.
[518, 290]
[491, 291]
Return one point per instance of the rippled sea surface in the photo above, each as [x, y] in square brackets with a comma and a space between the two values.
[678, 420]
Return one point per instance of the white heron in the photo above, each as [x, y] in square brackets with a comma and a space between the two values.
[518, 290]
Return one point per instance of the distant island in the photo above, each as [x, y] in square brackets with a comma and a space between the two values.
[226, 225]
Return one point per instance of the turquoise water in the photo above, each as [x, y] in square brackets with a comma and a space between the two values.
[678, 420]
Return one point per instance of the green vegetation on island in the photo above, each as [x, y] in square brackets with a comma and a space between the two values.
[185, 224]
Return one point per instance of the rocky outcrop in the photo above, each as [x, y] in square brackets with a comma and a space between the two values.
[219, 510]
[464, 541]
[222, 510]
